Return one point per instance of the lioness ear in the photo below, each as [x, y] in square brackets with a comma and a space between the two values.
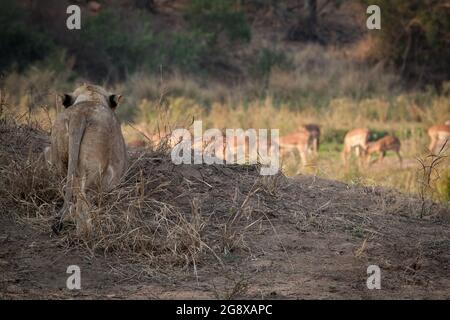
[114, 100]
[67, 100]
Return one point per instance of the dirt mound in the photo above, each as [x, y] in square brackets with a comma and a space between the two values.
[214, 231]
[20, 140]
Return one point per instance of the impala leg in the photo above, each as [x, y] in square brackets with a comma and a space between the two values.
[344, 155]
[382, 155]
[360, 152]
[368, 159]
[302, 152]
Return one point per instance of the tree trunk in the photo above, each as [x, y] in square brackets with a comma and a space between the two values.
[307, 29]
[311, 7]
[146, 5]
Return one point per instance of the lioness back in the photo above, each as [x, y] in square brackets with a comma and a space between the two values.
[87, 144]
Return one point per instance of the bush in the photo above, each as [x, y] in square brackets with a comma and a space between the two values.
[443, 187]
[376, 134]
[268, 59]
[184, 50]
[414, 37]
[111, 47]
[333, 136]
[213, 18]
[20, 44]
[315, 77]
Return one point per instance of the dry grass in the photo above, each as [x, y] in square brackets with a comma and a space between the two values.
[160, 213]
[160, 105]
[430, 174]
[186, 215]
[166, 219]
[236, 286]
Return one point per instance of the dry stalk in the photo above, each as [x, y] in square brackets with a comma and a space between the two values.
[428, 174]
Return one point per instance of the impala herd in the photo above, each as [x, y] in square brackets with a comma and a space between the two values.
[306, 142]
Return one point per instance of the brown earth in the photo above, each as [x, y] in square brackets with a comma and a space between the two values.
[289, 238]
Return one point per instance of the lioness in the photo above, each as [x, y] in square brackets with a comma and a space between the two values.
[87, 145]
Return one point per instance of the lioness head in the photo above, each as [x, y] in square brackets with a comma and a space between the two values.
[94, 93]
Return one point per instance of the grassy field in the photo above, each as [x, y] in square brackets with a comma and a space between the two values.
[310, 84]
[153, 116]
[379, 115]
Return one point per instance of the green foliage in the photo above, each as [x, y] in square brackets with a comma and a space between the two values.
[109, 46]
[103, 46]
[213, 18]
[270, 58]
[20, 44]
[333, 136]
[336, 136]
[182, 49]
[377, 134]
[443, 186]
[414, 36]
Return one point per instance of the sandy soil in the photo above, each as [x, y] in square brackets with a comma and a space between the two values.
[288, 259]
[294, 238]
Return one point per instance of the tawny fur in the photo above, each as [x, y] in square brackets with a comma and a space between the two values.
[136, 144]
[438, 134]
[87, 145]
[299, 141]
[357, 140]
[314, 139]
[381, 146]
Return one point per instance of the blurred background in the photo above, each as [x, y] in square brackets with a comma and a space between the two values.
[244, 64]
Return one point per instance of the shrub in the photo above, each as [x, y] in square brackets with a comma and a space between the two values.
[268, 59]
[333, 136]
[414, 37]
[20, 44]
[377, 134]
[213, 18]
[110, 47]
[443, 186]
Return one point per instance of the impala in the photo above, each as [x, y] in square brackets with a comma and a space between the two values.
[314, 132]
[356, 139]
[299, 141]
[438, 134]
[381, 146]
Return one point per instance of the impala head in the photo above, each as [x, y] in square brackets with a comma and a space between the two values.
[370, 148]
